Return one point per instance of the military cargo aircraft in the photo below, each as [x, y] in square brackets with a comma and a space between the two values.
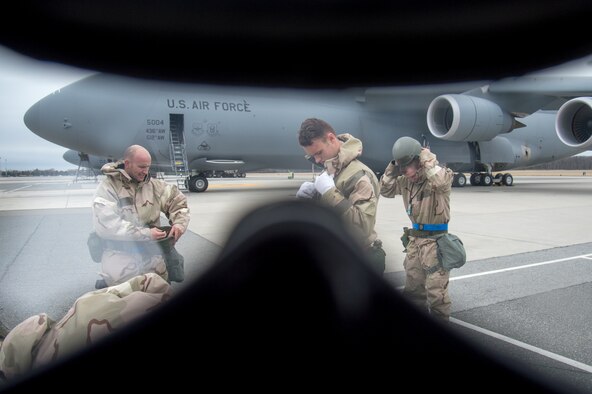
[192, 130]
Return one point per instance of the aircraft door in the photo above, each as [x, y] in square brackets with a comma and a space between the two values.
[177, 135]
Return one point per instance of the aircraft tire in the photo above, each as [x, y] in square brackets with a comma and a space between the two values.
[497, 180]
[507, 179]
[198, 184]
[459, 180]
[486, 180]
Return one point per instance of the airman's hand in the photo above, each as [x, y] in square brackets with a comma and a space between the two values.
[392, 169]
[307, 190]
[324, 182]
[156, 233]
[427, 159]
[176, 232]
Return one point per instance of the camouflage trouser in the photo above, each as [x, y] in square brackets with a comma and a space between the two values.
[426, 290]
[39, 340]
[120, 266]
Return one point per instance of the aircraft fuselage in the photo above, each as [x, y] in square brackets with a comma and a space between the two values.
[244, 128]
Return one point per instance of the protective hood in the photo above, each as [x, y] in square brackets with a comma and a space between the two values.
[351, 149]
[115, 170]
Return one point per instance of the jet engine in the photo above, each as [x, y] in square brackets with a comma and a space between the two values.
[573, 123]
[458, 117]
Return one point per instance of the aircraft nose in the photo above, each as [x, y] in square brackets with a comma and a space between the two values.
[31, 118]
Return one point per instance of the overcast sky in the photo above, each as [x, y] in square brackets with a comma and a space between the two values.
[23, 81]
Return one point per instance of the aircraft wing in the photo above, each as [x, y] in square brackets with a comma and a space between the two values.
[415, 97]
[570, 79]
[545, 89]
[558, 86]
[478, 111]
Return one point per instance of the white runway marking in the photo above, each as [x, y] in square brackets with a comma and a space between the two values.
[542, 352]
[554, 356]
[523, 345]
[583, 256]
[19, 188]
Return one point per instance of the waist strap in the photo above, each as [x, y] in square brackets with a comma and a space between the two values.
[425, 234]
[430, 227]
[428, 230]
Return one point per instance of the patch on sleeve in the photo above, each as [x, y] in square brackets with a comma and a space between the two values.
[125, 202]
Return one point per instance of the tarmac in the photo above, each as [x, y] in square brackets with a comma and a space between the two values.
[524, 292]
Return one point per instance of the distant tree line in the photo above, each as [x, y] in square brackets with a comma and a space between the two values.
[570, 163]
[38, 172]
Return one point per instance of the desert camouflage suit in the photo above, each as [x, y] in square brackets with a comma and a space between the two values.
[426, 201]
[39, 340]
[355, 195]
[124, 210]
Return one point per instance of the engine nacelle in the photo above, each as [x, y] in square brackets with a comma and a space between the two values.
[573, 123]
[459, 117]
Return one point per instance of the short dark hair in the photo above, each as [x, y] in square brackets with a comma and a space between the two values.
[311, 129]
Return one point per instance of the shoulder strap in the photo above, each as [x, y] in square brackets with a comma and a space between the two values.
[351, 182]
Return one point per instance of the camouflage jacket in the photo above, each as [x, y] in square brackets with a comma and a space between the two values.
[39, 340]
[427, 201]
[356, 190]
[124, 209]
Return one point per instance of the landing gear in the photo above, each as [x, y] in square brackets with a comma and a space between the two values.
[485, 179]
[197, 183]
[505, 179]
[481, 179]
[459, 180]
